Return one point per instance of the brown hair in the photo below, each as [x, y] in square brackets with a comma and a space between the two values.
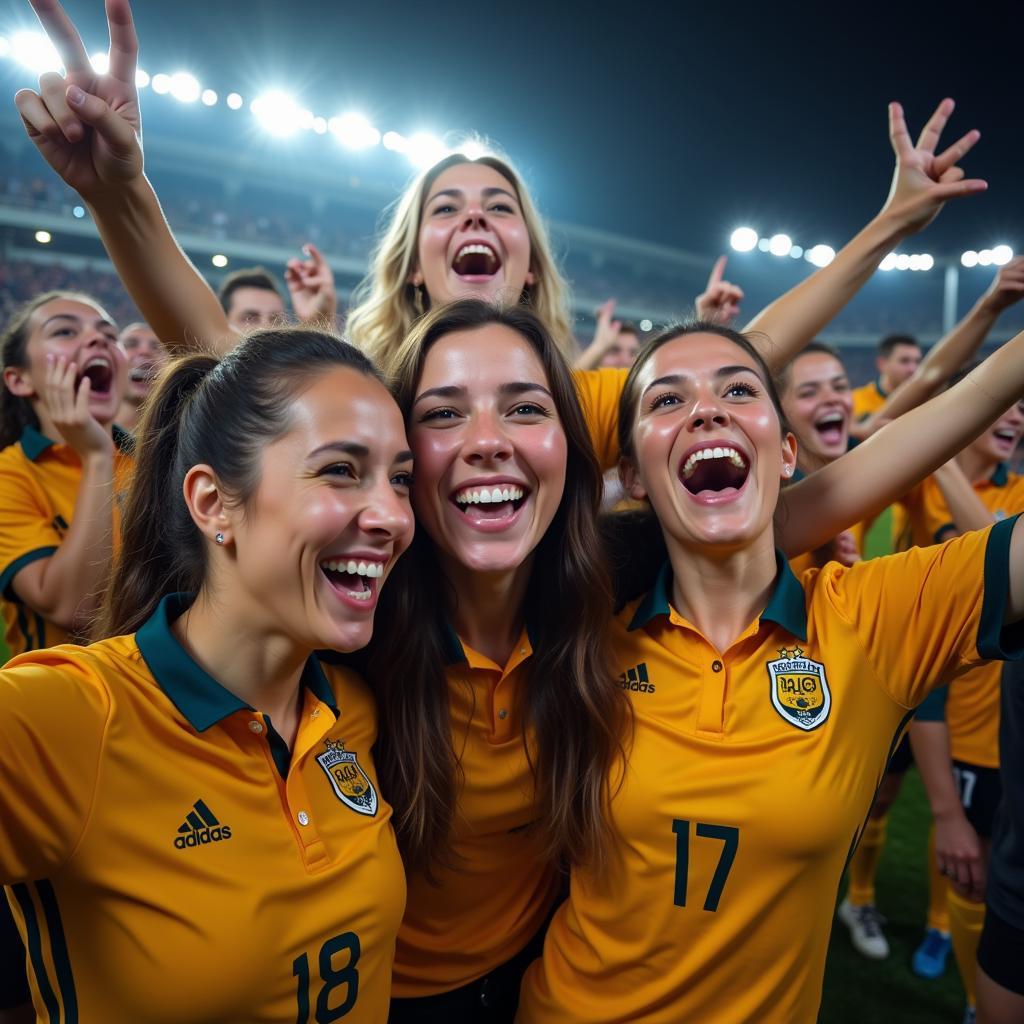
[16, 412]
[572, 711]
[222, 412]
[247, 277]
[784, 378]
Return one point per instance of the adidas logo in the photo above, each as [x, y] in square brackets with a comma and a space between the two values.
[635, 679]
[200, 827]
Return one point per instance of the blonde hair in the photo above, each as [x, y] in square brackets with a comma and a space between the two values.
[387, 304]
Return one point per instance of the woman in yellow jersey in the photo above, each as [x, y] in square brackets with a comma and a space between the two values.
[464, 228]
[192, 825]
[772, 703]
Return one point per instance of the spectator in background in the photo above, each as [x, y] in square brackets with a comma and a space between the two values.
[146, 357]
[899, 355]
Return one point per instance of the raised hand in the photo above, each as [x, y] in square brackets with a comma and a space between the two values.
[720, 300]
[922, 181]
[86, 125]
[68, 409]
[311, 284]
[1008, 286]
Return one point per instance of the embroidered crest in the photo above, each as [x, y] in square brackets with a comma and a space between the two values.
[800, 690]
[351, 784]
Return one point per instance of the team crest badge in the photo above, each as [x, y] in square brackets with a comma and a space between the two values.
[352, 785]
[800, 690]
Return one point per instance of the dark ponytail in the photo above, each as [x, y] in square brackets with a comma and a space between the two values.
[16, 413]
[221, 413]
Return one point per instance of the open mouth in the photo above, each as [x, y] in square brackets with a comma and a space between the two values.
[715, 471]
[144, 373]
[830, 428]
[1005, 437]
[476, 259]
[355, 580]
[100, 375]
[490, 504]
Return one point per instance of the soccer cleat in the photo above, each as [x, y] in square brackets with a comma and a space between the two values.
[970, 1015]
[865, 925]
[930, 957]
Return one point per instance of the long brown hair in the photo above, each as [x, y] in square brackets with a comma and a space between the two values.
[572, 712]
[222, 412]
[16, 413]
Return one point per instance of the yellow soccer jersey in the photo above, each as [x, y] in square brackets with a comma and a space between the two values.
[500, 889]
[816, 560]
[749, 780]
[38, 487]
[599, 392]
[167, 862]
[867, 400]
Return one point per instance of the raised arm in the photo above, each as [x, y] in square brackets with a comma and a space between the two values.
[87, 128]
[966, 508]
[921, 185]
[606, 336]
[957, 347]
[905, 451]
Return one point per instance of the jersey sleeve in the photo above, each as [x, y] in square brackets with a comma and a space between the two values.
[925, 616]
[599, 393]
[27, 531]
[933, 709]
[53, 719]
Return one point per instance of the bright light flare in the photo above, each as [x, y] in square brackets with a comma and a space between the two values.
[100, 63]
[985, 258]
[424, 149]
[320, 125]
[219, 260]
[44, 237]
[888, 263]
[78, 212]
[473, 149]
[277, 113]
[927, 261]
[185, 88]
[209, 98]
[969, 258]
[796, 252]
[162, 84]
[141, 78]
[743, 239]
[903, 261]
[646, 325]
[395, 142]
[354, 131]
[234, 101]
[1001, 255]
[35, 52]
[779, 245]
[5, 46]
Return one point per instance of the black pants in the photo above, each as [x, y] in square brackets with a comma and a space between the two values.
[492, 999]
[14, 990]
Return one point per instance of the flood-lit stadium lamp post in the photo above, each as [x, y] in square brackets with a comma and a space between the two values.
[747, 239]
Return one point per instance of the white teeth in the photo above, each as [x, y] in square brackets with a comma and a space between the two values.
[828, 421]
[713, 453]
[97, 361]
[484, 250]
[485, 496]
[372, 570]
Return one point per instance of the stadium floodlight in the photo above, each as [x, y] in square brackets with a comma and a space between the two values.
[100, 63]
[985, 258]
[320, 125]
[916, 262]
[820, 255]
[796, 251]
[306, 120]
[903, 261]
[473, 149]
[779, 245]
[162, 84]
[141, 78]
[5, 46]
[969, 258]
[234, 101]
[763, 244]
[44, 237]
[395, 142]
[1001, 255]
[185, 88]
[743, 239]
[354, 131]
[277, 113]
[888, 263]
[34, 51]
[219, 260]
[425, 149]
[209, 98]
[78, 212]
[646, 325]
[927, 261]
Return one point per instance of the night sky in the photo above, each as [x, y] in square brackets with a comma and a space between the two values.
[668, 123]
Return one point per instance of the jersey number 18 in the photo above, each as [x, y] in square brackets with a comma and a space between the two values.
[331, 978]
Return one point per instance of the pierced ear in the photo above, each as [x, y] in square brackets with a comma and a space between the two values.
[206, 504]
[629, 477]
[789, 453]
[17, 381]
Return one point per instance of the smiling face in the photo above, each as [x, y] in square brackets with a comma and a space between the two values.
[331, 514]
[819, 405]
[473, 240]
[1000, 442]
[490, 449]
[708, 450]
[84, 335]
[145, 355]
[899, 365]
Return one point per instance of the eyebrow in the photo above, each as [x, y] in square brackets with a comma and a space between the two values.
[458, 193]
[356, 450]
[102, 321]
[455, 391]
[722, 371]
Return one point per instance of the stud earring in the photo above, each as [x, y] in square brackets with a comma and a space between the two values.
[219, 538]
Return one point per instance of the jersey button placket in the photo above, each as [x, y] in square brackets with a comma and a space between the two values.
[714, 677]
